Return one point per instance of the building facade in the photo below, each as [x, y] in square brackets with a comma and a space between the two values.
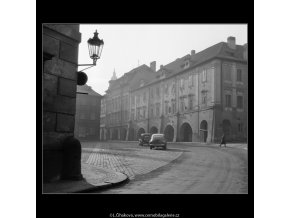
[197, 97]
[60, 60]
[87, 117]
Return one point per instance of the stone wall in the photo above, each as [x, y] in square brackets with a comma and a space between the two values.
[59, 93]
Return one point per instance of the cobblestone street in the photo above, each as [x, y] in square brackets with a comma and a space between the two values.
[130, 161]
[181, 169]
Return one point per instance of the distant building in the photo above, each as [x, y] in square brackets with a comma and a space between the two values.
[197, 97]
[87, 118]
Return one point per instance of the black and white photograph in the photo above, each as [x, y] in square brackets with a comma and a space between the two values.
[145, 108]
[140, 109]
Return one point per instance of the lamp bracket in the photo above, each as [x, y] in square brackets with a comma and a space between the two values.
[86, 64]
[87, 67]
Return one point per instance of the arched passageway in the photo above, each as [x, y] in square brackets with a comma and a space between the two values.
[153, 130]
[102, 135]
[131, 134]
[185, 133]
[123, 133]
[140, 131]
[169, 133]
[115, 134]
[203, 131]
[227, 128]
[108, 134]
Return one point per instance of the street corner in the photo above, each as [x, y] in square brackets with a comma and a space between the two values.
[101, 178]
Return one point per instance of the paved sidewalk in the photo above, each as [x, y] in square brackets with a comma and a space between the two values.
[236, 145]
[130, 161]
[95, 178]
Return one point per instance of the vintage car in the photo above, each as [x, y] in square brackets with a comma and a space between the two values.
[158, 140]
[144, 139]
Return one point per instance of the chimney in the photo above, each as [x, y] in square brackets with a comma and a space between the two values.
[161, 66]
[153, 66]
[192, 52]
[232, 42]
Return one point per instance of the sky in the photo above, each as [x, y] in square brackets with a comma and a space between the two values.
[127, 46]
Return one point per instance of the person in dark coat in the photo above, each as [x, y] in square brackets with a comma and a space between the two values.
[223, 141]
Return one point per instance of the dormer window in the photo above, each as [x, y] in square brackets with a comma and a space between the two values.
[186, 64]
[141, 82]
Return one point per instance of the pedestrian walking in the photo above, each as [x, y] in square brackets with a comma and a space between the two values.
[223, 141]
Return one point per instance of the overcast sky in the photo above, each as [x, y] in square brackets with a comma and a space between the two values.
[127, 45]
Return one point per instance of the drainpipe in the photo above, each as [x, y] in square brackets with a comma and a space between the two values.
[221, 96]
[198, 104]
[148, 106]
[213, 122]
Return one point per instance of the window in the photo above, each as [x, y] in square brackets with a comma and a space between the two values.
[157, 109]
[191, 80]
[133, 100]
[93, 116]
[166, 107]
[92, 131]
[228, 75]
[181, 83]
[190, 98]
[240, 127]
[186, 64]
[173, 89]
[151, 93]
[152, 111]
[182, 105]
[228, 101]
[138, 113]
[239, 75]
[144, 96]
[173, 104]
[166, 89]
[144, 111]
[132, 114]
[204, 76]
[157, 92]
[240, 102]
[82, 131]
[204, 98]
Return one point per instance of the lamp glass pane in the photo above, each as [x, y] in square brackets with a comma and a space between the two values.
[101, 49]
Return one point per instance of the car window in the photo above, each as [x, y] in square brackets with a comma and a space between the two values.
[158, 137]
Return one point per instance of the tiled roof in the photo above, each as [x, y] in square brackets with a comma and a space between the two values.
[219, 50]
[127, 77]
[87, 89]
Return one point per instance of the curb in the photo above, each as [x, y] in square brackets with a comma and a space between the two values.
[88, 184]
[106, 185]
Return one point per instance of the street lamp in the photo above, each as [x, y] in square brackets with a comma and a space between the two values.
[95, 46]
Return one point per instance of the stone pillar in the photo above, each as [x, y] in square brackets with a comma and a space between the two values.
[119, 133]
[72, 151]
[111, 133]
[127, 133]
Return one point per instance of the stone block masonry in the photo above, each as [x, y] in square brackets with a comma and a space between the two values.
[59, 93]
[67, 87]
[65, 123]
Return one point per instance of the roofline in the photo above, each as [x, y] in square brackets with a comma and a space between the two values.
[192, 67]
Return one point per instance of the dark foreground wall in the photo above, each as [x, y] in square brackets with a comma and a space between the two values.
[60, 52]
